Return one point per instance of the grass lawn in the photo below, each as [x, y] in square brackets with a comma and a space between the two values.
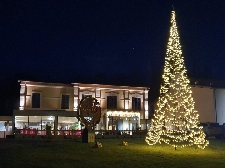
[30, 153]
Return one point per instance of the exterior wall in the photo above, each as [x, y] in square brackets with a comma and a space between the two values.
[110, 92]
[209, 102]
[50, 103]
[124, 109]
[220, 105]
[50, 96]
[118, 91]
[204, 103]
[120, 100]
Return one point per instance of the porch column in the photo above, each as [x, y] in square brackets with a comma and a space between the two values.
[126, 99]
[22, 96]
[28, 122]
[146, 104]
[106, 123]
[7, 126]
[13, 124]
[56, 125]
[98, 95]
[139, 120]
[76, 98]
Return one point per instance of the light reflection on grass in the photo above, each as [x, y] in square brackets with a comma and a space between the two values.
[69, 153]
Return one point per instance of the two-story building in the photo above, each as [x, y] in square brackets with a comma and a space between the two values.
[123, 107]
[56, 105]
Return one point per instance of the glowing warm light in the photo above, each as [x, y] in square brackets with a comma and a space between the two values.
[123, 114]
[75, 105]
[146, 106]
[126, 104]
[146, 114]
[176, 121]
[21, 108]
[50, 118]
[22, 102]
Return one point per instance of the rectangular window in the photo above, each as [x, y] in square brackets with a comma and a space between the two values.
[21, 122]
[36, 100]
[136, 103]
[112, 102]
[65, 101]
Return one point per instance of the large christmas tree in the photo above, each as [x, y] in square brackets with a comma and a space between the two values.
[176, 121]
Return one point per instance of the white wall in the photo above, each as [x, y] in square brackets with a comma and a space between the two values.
[205, 103]
[220, 105]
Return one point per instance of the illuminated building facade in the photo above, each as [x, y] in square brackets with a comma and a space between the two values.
[209, 101]
[56, 105]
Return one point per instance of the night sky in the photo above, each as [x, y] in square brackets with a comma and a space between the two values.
[108, 42]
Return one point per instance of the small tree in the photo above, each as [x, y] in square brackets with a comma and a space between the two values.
[176, 121]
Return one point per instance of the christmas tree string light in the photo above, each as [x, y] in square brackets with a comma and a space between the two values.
[176, 121]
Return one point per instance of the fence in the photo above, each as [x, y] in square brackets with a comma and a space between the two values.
[99, 134]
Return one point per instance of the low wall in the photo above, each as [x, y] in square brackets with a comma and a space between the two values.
[4, 133]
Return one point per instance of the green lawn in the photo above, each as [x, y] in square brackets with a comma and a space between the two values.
[69, 153]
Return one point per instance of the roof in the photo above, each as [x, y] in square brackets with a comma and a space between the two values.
[102, 86]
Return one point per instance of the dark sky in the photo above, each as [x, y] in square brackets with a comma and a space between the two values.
[110, 41]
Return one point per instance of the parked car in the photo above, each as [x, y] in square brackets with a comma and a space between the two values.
[213, 130]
